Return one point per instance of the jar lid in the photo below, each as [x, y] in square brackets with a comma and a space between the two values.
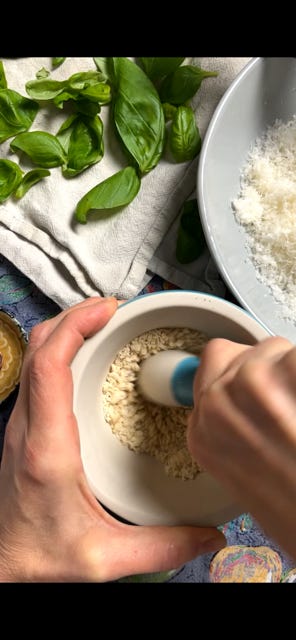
[13, 342]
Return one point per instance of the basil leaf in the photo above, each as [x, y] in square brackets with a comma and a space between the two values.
[184, 138]
[10, 177]
[56, 62]
[99, 92]
[86, 107]
[169, 111]
[182, 84]
[116, 191]
[84, 145]
[103, 65]
[29, 179]
[42, 73]
[3, 81]
[85, 84]
[62, 97]
[45, 88]
[16, 113]
[138, 114]
[83, 79]
[43, 148]
[190, 238]
[159, 67]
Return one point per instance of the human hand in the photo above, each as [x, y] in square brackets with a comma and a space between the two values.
[243, 428]
[52, 528]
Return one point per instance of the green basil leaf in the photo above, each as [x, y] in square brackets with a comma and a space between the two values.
[182, 84]
[184, 137]
[99, 92]
[138, 114]
[42, 73]
[190, 238]
[84, 146]
[10, 177]
[28, 181]
[88, 84]
[169, 111]
[45, 88]
[43, 148]
[16, 113]
[86, 107]
[82, 79]
[64, 133]
[56, 62]
[159, 67]
[3, 81]
[116, 191]
[62, 97]
[103, 65]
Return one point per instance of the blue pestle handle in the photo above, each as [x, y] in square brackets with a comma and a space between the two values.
[167, 377]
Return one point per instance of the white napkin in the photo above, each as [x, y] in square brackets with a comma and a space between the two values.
[118, 254]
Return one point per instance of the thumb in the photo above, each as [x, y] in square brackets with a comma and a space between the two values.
[133, 550]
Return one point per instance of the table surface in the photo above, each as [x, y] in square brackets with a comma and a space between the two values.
[29, 305]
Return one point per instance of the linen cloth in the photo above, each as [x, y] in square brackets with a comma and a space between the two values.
[117, 254]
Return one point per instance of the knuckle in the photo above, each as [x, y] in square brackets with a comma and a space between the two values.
[37, 334]
[40, 367]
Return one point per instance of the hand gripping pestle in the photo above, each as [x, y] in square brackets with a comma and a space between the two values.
[167, 378]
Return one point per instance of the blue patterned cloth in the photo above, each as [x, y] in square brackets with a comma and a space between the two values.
[30, 306]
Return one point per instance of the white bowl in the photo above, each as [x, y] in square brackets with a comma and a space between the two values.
[135, 486]
[261, 93]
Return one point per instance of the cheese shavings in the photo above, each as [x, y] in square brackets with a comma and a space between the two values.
[266, 207]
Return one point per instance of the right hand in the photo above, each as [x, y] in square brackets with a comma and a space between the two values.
[242, 429]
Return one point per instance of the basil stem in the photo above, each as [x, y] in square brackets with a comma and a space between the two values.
[138, 114]
[184, 137]
[16, 113]
[10, 177]
[116, 191]
[43, 148]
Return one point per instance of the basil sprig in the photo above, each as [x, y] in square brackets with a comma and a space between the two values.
[149, 101]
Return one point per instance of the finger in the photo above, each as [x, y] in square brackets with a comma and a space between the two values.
[40, 332]
[216, 357]
[221, 356]
[152, 549]
[49, 375]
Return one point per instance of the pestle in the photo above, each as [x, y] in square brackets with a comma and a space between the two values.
[167, 378]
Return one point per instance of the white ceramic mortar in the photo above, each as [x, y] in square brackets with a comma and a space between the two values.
[135, 486]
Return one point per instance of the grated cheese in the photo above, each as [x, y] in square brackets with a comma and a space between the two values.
[266, 207]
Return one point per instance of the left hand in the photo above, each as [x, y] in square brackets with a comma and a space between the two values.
[52, 528]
